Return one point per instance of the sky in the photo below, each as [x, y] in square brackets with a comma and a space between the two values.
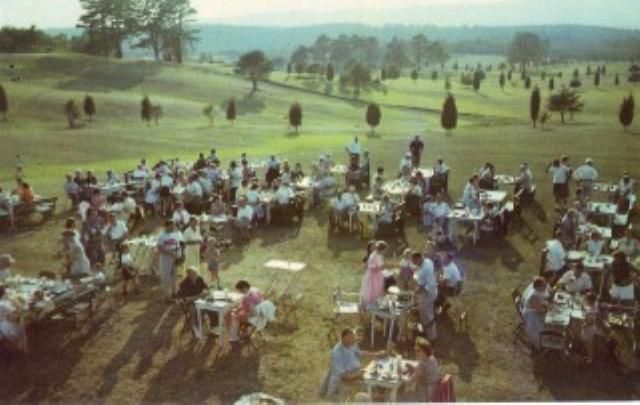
[614, 13]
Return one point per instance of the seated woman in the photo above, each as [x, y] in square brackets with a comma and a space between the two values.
[251, 297]
[425, 376]
[535, 309]
[629, 245]
[622, 286]
[413, 199]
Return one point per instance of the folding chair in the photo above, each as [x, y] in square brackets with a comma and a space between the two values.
[341, 309]
[519, 334]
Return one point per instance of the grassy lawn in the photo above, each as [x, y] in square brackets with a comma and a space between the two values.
[136, 351]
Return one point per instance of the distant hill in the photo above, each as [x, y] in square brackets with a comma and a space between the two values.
[567, 41]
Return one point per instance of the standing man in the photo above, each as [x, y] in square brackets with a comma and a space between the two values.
[416, 147]
[427, 293]
[355, 149]
[585, 175]
[560, 183]
[170, 252]
[566, 166]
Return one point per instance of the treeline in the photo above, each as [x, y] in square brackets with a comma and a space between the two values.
[345, 51]
[22, 40]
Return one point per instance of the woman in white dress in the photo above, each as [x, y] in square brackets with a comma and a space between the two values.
[193, 241]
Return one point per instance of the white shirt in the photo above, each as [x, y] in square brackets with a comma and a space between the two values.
[337, 204]
[139, 174]
[235, 177]
[586, 172]
[245, 213]
[451, 275]
[575, 285]
[555, 255]
[469, 194]
[5, 274]
[594, 247]
[253, 196]
[558, 173]
[181, 217]
[195, 189]
[440, 209]
[166, 181]
[192, 235]
[427, 277]
[283, 195]
[349, 200]
[440, 168]
[355, 148]
[118, 230]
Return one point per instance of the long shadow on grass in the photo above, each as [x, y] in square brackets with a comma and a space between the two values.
[457, 348]
[598, 382]
[187, 378]
[151, 334]
[98, 76]
[491, 249]
[36, 377]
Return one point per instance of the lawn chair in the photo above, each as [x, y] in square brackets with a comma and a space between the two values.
[519, 333]
[342, 308]
[264, 313]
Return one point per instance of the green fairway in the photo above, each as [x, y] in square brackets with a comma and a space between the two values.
[120, 363]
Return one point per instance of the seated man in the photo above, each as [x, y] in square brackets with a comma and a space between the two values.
[625, 187]
[413, 198]
[244, 217]
[406, 167]
[72, 190]
[451, 280]
[440, 212]
[322, 186]
[428, 218]
[576, 281]
[622, 285]
[377, 189]
[337, 211]
[386, 216]
[195, 194]
[189, 290]
[471, 194]
[524, 180]
[350, 199]
[569, 228]
[594, 245]
[492, 220]
[345, 366]
[139, 174]
[440, 179]
[283, 200]
[487, 180]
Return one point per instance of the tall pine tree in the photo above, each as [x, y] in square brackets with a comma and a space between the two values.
[89, 107]
[145, 110]
[231, 110]
[534, 105]
[626, 113]
[502, 80]
[4, 103]
[373, 116]
[295, 115]
[449, 115]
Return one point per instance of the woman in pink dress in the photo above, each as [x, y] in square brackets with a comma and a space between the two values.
[373, 282]
[251, 297]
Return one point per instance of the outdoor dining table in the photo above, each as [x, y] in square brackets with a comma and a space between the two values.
[604, 187]
[389, 373]
[143, 252]
[427, 172]
[586, 229]
[339, 169]
[496, 197]
[286, 272]
[604, 209]
[390, 310]
[563, 309]
[396, 188]
[505, 179]
[458, 215]
[220, 302]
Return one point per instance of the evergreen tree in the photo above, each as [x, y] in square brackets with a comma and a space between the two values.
[383, 74]
[295, 115]
[588, 70]
[231, 110]
[604, 70]
[434, 75]
[625, 115]
[576, 73]
[330, 72]
[447, 84]
[72, 113]
[509, 75]
[527, 82]
[145, 110]
[455, 66]
[4, 103]
[534, 105]
[596, 79]
[552, 84]
[207, 111]
[616, 81]
[373, 116]
[89, 107]
[414, 74]
[477, 78]
[254, 66]
[502, 80]
[543, 76]
[449, 115]
[289, 68]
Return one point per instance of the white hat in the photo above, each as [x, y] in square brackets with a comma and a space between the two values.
[588, 161]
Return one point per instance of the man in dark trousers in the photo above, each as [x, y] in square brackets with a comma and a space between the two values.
[416, 147]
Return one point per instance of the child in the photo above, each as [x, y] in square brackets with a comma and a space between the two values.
[127, 270]
[213, 266]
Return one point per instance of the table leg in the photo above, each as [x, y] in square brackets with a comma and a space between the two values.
[223, 330]
[393, 395]
[373, 325]
[475, 232]
[390, 339]
[370, 392]
[199, 328]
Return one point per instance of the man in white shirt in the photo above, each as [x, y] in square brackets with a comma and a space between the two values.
[195, 189]
[71, 189]
[205, 183]
[112, 178]
[426, 294]
[440, 211]
[576, 281]
[355, 149]
[406, 167]
[180, 216]
[560, 185]
[337, 211]
[116, 232]
[451, 277]
[244, 216]
[471, 193]
[524, 180]
[139, 173]
[284, 194]
[585, 175]
[556, 255]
